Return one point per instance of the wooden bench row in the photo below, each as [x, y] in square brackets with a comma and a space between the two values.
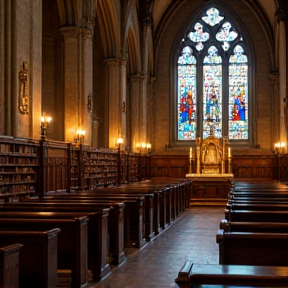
[126, 219]
[252, 242]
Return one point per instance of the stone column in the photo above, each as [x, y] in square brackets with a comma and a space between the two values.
[86, 82]
[281, 62]
[72, 107]
[77, 81]
[122, 130]
[112, 93]
[134, 91]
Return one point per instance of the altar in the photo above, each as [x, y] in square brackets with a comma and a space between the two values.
[213, 177]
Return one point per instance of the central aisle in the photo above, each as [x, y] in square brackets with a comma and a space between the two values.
[191, 237]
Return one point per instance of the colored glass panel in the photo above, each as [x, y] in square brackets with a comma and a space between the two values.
[226, 34]
[238, 95]
[212, 28]
[199, 36]
[212, 93]
[186, 96]
[212, 17]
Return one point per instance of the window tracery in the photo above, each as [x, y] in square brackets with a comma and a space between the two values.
[214, 54]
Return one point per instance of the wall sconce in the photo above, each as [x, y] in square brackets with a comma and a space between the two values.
[119, 143]
[148, 146]
[44, 126]
[79, 137]
[280, 148]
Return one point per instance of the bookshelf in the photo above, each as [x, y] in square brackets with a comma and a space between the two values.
[74, 167]
[133, 167]
[99, 167]
[18, 167]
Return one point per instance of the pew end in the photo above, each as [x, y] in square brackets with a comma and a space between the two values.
[195, 275]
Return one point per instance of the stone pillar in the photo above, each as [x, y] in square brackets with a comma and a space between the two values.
[150, 111]
[72, 107]
[143, 109]
[281, 62]
[122, 132]
[134, 91]
[86, 82]
[77, 50]
[112, 93]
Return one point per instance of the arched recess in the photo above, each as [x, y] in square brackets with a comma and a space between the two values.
[256, 29]
[52, 66]
[133, 70]
[66, 12]
[108, 16]
[106, 53]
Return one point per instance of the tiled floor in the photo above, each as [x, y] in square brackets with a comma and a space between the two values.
[191, 237]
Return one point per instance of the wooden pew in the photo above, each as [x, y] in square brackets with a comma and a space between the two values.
[162, 200]
[102, 195]
[252, 248]
[133, 214]
[155, 211]
[257, 206]
[9, 265]
[256, 216]
[192, 275]
[37, 259]
[169, 198]
[72, 242]
[97, 235]
[267, 194]
[183, 184]
[99, 226]
[259, 200]
[270, 227]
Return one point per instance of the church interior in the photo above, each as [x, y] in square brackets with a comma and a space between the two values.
[142, 111]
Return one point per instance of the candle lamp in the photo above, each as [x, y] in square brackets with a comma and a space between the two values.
[280, 148]
[79, 137]
[45, 121]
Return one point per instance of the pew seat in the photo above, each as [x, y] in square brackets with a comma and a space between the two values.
[37, 258]
[270, 227]
[252, 248]
[71, 245]
[194, 275]
[9, 265]
[256, 216]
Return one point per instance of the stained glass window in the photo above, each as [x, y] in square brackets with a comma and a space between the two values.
[186, 95]
[238, 91]
[212, 53]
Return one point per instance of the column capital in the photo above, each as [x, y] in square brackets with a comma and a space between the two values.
[111, 62]
[280, 15]
[73, 32]
[274, 77]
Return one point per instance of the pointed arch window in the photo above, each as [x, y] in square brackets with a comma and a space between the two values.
[212, 80]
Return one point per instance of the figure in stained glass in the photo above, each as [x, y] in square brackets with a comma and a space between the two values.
[239, 106]
[220, 72]
[212, 104]
[238, 56]
[199, 36]
[186, 57]
[212, 17]
[226, 35]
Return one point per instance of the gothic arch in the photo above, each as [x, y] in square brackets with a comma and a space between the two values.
[108, 13]
[262, 41]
